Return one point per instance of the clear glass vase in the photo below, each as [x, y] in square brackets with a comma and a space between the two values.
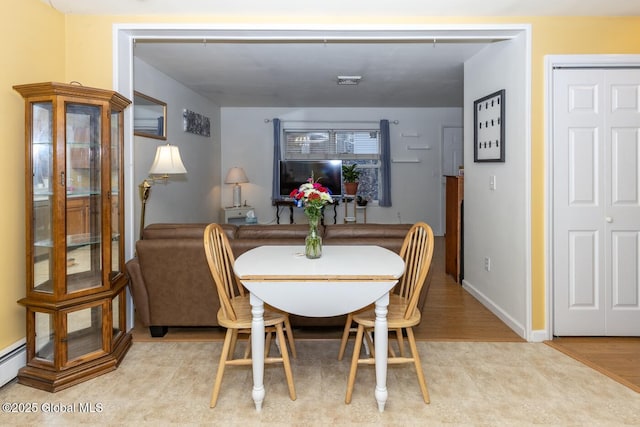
[313, 241]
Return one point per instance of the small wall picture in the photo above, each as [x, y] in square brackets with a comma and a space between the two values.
[488, 120]
[196, 123]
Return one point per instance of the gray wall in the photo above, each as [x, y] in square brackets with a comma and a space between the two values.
[194, 197]
[495, 221]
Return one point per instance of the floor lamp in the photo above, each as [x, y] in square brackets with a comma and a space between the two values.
[167, 162]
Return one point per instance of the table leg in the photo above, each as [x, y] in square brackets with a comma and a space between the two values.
[381, 331]
[257, 349]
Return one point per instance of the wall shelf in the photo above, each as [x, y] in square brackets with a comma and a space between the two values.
[405, 160]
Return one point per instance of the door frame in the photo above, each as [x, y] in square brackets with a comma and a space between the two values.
[566, 61]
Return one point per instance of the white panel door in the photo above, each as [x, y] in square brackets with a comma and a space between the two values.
[596, 215]
[452, 159]
[452, 150]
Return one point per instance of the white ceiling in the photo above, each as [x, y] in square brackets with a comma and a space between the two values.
[345, 8]
[305, 74]
[241, 73]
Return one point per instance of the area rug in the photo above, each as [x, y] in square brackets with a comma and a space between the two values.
[470, 384]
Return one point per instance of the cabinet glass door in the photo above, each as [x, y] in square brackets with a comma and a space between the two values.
[84, 333]
[45, 335]
[42, 182]
[116, 193]
[118, 306]
[83, 197]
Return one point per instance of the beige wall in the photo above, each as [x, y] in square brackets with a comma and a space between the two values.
[80, 48]
[554, 36]
[564, 35]
[32, 50]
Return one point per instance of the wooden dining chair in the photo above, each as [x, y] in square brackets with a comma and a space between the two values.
[403, 313]
[235, 313]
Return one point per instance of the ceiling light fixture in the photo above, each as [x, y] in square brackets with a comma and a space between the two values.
[348, 80]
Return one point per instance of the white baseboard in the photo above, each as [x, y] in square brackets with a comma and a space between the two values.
[539, 335]
[489, 304]
[12, 359]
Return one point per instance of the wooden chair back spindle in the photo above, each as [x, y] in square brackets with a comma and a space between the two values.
[220, 260]
[417, 253]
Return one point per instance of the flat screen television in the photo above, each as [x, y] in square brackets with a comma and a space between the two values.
[293, 173]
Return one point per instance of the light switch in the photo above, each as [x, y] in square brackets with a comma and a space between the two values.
[492, 182]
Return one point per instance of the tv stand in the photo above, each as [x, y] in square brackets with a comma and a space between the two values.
[284, 202]
[291, 204]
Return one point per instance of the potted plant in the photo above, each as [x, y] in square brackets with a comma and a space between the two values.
[350, 176]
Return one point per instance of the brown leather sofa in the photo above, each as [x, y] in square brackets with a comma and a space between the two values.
[171, 284]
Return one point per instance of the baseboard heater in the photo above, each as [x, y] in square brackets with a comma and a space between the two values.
[12, 359]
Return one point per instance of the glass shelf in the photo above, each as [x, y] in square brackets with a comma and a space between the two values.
[82, 193]
[83, 144]
[77, 240]
[42, 195]
[73, 240]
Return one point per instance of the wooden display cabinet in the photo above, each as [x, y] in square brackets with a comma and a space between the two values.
[75, 279]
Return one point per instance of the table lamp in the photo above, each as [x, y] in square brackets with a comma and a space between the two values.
[236, 176]
[167, 162]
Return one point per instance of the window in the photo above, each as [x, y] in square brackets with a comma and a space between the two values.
[350, 146]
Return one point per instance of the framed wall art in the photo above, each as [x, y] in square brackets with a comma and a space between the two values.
[149, 116]
[488, 121]
[196, 123]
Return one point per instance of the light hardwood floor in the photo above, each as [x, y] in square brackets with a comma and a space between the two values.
[616, 357]
[452, 314]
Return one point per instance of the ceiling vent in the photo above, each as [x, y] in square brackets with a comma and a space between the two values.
[349, 80]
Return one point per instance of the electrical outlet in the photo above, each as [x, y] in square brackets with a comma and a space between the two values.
[487, 263]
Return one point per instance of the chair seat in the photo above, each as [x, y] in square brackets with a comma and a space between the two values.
[395, 315]
[242, 309]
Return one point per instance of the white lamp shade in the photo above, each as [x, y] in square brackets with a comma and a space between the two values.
[167, 161]
[236, 175]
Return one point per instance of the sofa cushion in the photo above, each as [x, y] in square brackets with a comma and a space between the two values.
[240, 246]
[274, 231]
[183, 231]
[388, 243]
[351, 231]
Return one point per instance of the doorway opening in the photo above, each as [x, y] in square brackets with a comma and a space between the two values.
[126, 36]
